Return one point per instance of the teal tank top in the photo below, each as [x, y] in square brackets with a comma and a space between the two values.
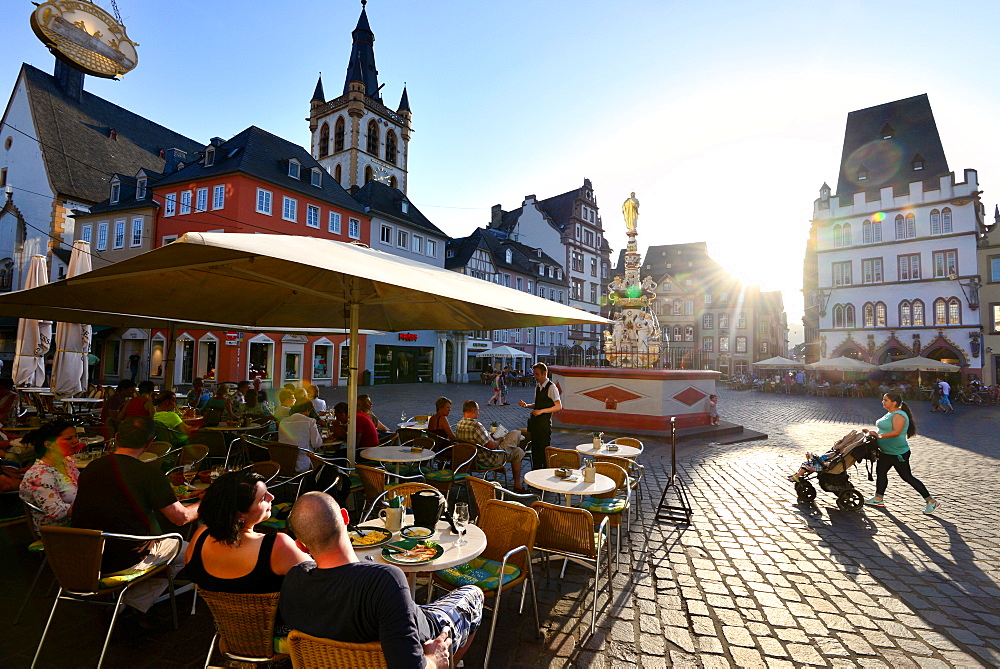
[893, 445]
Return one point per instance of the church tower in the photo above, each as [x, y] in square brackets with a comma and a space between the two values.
[355, 136]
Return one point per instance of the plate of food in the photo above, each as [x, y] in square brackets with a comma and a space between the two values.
[415, 532]
[411, 551]
[369, 536]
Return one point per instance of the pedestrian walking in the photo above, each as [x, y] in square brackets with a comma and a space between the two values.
[503, 385]
[894, 450]
[497, 381]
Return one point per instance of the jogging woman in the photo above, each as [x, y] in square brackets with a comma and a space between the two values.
[894, 451]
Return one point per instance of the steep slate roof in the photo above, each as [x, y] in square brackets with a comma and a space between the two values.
[361, 64]
[318, 93]
[404, 101]
[71, 132]
[524, 259]
[557, 211]
[703, 268]
[126, 196]
[463, 247]
[261, 154]
[386, 201]
[889, 161]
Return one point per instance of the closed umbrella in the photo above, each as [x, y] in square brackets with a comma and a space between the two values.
[33, 336]
[69, 364]
[285, 281]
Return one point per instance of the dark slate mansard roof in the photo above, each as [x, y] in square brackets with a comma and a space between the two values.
[71, 132]
[386, 201]
[261, 154]
[889, 162]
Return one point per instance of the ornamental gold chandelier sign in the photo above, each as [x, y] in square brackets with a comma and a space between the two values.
[86, 37]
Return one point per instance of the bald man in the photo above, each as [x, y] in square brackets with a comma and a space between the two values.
[336, 596]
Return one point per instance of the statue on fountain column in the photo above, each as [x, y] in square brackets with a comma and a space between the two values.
[630, 210]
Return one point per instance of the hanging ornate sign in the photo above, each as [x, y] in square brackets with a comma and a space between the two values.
[85, 36]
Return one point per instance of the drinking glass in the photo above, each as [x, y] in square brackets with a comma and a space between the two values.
[461, 516]
[189, 473]
[402, 417]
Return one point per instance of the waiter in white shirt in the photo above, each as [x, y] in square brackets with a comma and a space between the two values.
[298, 429]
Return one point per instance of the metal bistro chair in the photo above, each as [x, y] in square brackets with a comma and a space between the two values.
[374, 482]
[483, 491]
[309, 652]
[456, 462]
[244, 625]
[74, 556]
[510, 530]
[36, 547]
[404, 490]
[267, 468]
[635, 472]
[612, 505]
[569, 533]
[562, 457]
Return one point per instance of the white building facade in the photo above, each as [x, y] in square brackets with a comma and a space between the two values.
[896, 246]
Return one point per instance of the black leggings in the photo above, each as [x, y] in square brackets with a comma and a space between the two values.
[902, 465]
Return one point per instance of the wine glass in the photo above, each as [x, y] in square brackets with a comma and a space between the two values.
[402, 417]
[461, 516]
[189, 473]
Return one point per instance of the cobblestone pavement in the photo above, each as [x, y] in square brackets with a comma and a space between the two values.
[756, 581]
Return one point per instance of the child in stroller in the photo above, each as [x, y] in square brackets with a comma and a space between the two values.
[830, 469]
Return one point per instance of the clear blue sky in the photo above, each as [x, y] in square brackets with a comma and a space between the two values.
[724, 117]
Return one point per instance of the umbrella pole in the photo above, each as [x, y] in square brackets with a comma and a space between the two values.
[352, 378]
[168, 363]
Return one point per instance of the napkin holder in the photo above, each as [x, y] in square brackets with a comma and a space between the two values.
[416, 449]
[562, 473]
[612, 447]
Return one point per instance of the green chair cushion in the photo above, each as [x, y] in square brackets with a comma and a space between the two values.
[479, 572]
[121, 577]
[36, 547]
[281, 645]
[444, 476]
[606, 505]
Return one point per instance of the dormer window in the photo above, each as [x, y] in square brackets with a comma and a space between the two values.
[918, 163]
[863, 173]
[316, 178]
[209, 156]
[294, 169]
[140, 188]
[887, 132]
[509, 256]
[405, 206]
[116, 189]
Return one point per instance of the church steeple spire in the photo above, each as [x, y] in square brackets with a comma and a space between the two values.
[404, 102]
[318, 95]
[361, 66]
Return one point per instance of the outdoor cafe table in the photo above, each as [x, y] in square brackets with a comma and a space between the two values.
[83, 401]
[622, 452]
[397, 455]
[452, 557]
[546, 479]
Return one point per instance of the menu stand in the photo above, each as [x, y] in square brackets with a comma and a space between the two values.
[681, 511]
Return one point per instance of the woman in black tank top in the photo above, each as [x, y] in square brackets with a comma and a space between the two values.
[227, 554]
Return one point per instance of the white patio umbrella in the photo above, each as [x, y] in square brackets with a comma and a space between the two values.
[503, 352]
[285, 281]
[778, 362]
[33, 336]
[919, 364]
[841, 364]
[69, 364]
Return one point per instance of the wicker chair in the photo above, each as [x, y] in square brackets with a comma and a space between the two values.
[244, 625]
[374, 482]
[510, 530]
[457, 460]
[35, 547]
[193, 454]
[612, 505]
[74, 556]
[635, 471]
[569, 533]
[159, 448]
[562, 457]
[309, 652]
[483, 491]
[268, 469]
[628, 441]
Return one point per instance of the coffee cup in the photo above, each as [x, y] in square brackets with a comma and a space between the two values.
[393, 518]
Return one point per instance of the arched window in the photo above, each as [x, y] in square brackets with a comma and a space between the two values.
[866, 232]
[838, 316]
[837, 236]
[911, 226]
[337, 172]
[845, 238]
[905, 314]
[324, 140]
[369, 175]
[954, 311]
[880, 314]
[935, 222]
[393, 182]
[900, 227]
[877, 231]
[373, 142]
[918, 312]
[849, 316]
[338, 135]
[940, 311]
[390, 147]
[946, 220]
[677, 333]
[868, 312]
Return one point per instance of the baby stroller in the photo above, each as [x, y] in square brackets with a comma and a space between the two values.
[833, 477]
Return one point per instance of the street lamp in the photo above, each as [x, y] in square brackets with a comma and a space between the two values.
[970, 289]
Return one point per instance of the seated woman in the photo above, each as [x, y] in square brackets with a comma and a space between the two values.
[51, 483]
[226, 554]
[312, 393]
[220, 405]
[166, 415]
[255, 410]
[437, 425]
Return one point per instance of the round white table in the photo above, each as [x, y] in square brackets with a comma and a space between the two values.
[453, 555]
[82, 401]
[397, 454]
[410, 425]
[546, 479]
[622, 452]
